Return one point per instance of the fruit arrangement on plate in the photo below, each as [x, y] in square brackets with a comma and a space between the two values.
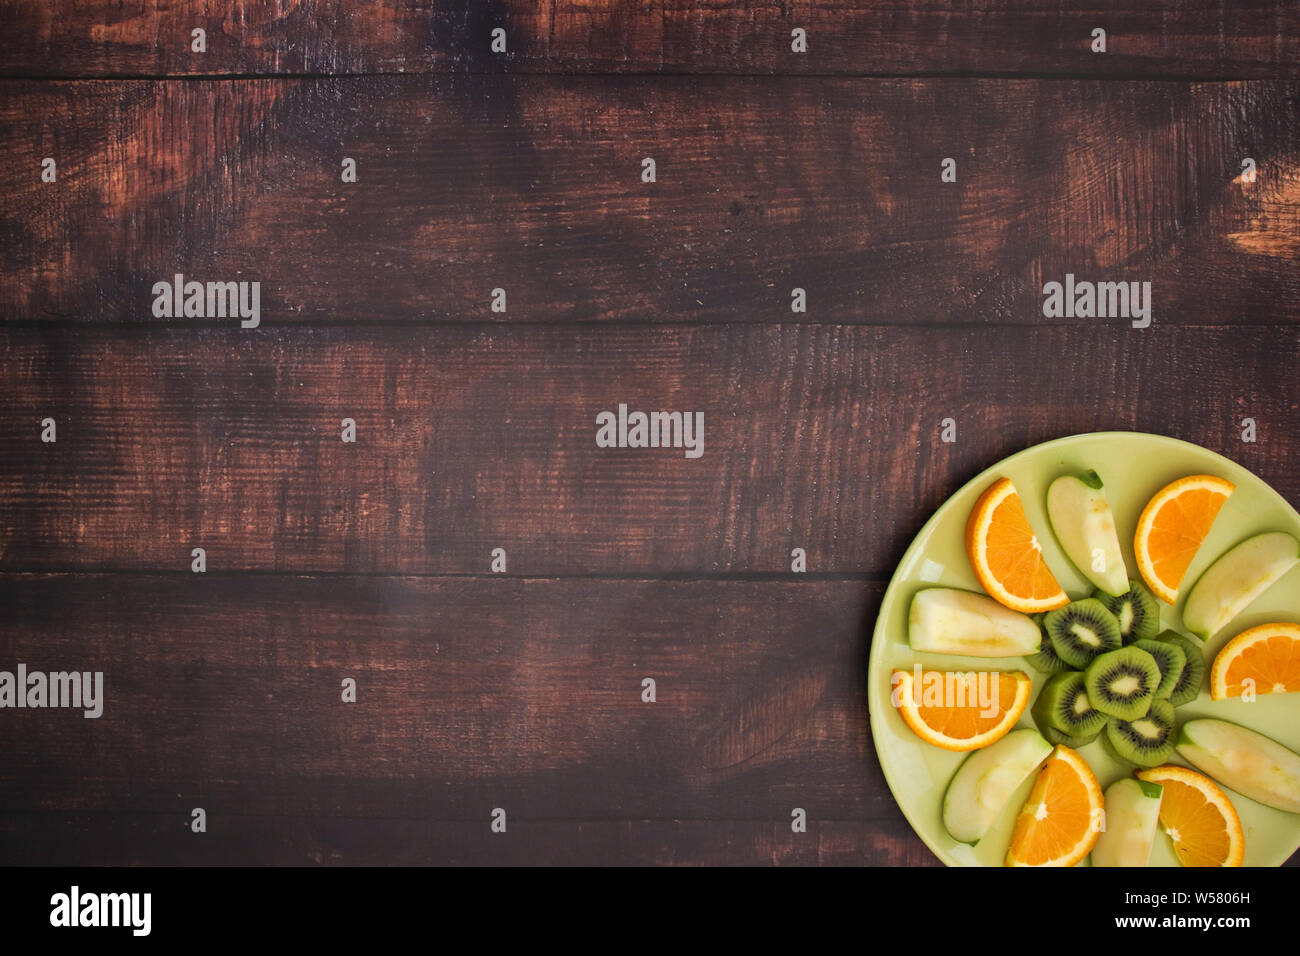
[1107, 672]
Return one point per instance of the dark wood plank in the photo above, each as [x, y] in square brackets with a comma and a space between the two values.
[533, 185]
[470, 439]
[224, 693]
[87, 839]
[1248, 38]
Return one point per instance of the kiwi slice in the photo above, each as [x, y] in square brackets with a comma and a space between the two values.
[1081, 630]
[1188, 685]
[1045, 660]
[1064, 704]
[1137, 612]
[1122, 683]
[1147, 741]
[1171, 660]
[1053, 735]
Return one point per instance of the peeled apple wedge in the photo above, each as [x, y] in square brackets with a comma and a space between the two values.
[1236, 579]
[950, 621]
[1132, 814]
[1250, 763]
[986, 781]
[1083, 524]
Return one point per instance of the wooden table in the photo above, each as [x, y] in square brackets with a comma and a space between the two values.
[522, 690]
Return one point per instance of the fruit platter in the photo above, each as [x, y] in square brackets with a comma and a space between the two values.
[1090, 655]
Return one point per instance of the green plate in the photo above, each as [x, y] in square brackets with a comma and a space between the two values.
[1133, 467]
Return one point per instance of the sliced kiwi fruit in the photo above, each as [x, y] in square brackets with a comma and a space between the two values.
[1122, 683]
[1055, 736]
[1147, 741]
[1045, 660]
[1137, 612]
[1064, 704]
[1171, 659]
[1081, 630]
[1188, 685]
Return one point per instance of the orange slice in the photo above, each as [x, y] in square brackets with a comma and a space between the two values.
[1198, 817]
[1062, 818]
[1268, 656]
[960, 710]
[1172, 527]
[1006, 555]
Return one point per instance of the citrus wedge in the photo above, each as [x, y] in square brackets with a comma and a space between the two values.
[1062, 818]
[1268, 656]
[960, 710]
[1005, 554]
[1198, 817]
[1172, 527]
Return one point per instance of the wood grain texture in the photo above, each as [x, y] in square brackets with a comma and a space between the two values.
[469, 439]
[1247, 38]
[476, 430]
[533, 185]
[155, 839]
[473, 693]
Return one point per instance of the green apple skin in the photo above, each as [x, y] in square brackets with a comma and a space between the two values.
[1254, 765]
[951, 621]
[1082, 521]
[986, 781]
[1132, 815]
[1236, 579]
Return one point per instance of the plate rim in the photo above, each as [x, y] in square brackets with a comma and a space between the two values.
[874, 717]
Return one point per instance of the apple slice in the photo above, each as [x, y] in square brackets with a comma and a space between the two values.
[949, 621]
[1236, 579]
[1132, 813]
[1252, 764]
[985, 783]
[1085, 527]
